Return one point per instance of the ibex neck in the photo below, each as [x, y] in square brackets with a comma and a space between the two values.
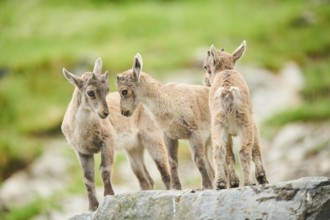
[75, 105]
[153, 95]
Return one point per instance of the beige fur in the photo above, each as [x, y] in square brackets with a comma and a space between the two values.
[88, 132]
[86, 129]
[231, 115]
[136, 133]
[181, 111]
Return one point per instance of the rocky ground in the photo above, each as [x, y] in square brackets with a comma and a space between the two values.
[306, 198]
[297, 150]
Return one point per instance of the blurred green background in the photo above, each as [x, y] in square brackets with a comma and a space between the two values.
[39, 37]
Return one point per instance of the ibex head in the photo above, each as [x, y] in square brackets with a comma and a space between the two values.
[93, 89]
[219, 60]
[127, 82]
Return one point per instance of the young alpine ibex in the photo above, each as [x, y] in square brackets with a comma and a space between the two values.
[87, 130]
[88, 133]
[136, 133]
[181, 111]
[231, 115]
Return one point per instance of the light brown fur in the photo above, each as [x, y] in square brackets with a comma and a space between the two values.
[231, 115]
[136, 133]
[86, 129]
[181, 111]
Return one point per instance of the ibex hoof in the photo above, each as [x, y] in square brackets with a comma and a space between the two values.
[234, 184]
[93, 207]
[177, 186]
[261, 178]
[221, 185]
[195, 190]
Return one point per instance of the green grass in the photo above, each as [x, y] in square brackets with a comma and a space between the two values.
[39, 37]
[30, 210]
[314, 111]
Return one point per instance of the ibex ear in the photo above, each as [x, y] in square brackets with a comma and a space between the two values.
[239, 51]
[98, 66]
[73, 79]
[137, 66]
[213, 51]
[106, 75]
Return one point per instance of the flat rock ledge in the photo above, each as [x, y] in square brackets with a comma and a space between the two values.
[305, 198]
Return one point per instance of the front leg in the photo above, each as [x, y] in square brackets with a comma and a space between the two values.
[107, 158]
[87, 164]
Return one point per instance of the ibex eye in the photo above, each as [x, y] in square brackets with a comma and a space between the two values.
[91, 93]
[124, 92]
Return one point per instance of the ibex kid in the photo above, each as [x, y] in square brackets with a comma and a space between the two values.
[87, 130]
[231, 114]
[180, 110]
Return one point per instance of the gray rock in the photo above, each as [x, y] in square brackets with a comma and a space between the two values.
[270, 92]
[306, 198]
[47, 175]
[298, 150]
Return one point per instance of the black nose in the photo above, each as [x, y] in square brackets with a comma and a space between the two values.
[105, 113]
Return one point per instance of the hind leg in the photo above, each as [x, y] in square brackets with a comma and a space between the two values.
[157, 150]
[198, 154]
[247, 139]
[256, 156]
[209, 159]
[147, 174]
[230, 158]
[136, 160]
[219, 141]
[172, 149]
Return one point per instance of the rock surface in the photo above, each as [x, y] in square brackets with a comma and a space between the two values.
[297, 150]
[306, 198]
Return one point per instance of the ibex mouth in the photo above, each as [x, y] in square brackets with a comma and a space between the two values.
[126, 113]
[103, 115]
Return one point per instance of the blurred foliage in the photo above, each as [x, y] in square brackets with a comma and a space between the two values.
[39, 37]
[29, 210]
[317, 110]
